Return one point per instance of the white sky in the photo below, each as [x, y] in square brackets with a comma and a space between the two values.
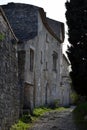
[55, 9]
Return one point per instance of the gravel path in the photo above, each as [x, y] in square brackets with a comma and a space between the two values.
[56, 121]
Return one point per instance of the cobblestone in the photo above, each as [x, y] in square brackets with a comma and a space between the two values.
[56, 121]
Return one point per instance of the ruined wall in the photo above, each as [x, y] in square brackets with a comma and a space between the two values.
[9, 97]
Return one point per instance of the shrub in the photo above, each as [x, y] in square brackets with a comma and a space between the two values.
[26, 118]
[54, 104]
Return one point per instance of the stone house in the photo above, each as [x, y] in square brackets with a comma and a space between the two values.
[65, 90]
[39, 54]
[9, 97]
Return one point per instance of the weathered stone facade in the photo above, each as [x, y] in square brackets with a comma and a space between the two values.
[44, 81]
[33, 70]
[9, 97]
[39, 54]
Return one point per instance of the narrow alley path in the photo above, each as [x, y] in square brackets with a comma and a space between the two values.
[56, 121]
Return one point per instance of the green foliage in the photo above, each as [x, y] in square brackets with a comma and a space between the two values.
[74, 97]
[26, 118]
[20, 126]
[2, 36]
[40, 111]
[80, 112]
[56, 103]
[23, 124]
[59, 109]
[76, 16]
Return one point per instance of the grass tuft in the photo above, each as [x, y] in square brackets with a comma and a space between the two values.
[20, 126]
[40, 111]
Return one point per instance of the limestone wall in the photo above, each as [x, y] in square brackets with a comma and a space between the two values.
[9, 97]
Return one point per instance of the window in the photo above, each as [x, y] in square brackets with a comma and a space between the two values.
[41, 58]
[47, 38]
[6, 67]
[55, 56]
[31, 60]
[46, 66]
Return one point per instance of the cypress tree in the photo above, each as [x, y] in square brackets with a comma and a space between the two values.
[76, 16]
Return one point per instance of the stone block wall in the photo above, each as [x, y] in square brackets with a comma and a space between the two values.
[9, 95]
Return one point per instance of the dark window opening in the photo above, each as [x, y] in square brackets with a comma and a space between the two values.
[41, 58]
[31, 60]
[21, 63]
[55, 56]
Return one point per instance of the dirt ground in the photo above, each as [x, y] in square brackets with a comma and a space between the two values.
[56, 121]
